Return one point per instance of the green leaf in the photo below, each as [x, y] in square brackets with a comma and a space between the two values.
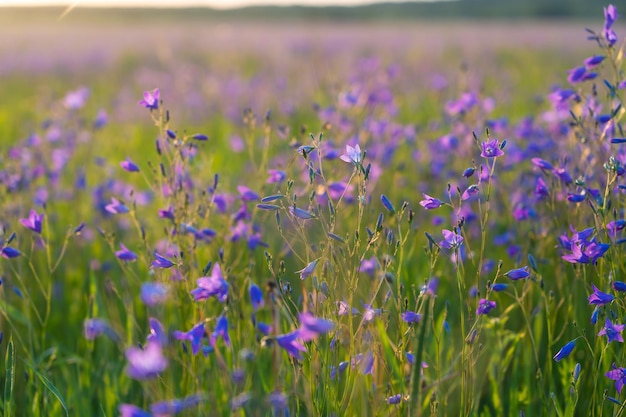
[9, 379]
[49, 385]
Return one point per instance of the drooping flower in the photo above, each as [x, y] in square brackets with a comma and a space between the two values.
[619, 376]
[125, 254]
[430, 203]
[352, 155]
[145, 363]
[195, 336]
[292, 344]
[308, 270]
[565, 351]
[221, 330]
[491, 149]
[311, 326]
[151, 99]
[161, 262]
[612, 331]
[212, 286]
[598, 297]
[157, 332]
[485, 306]
[33, 221]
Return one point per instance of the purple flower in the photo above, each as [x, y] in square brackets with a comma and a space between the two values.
[485, 306]
[308, 270]
[598, 297]
[9, 252]
[612, 331]
[153, 293]
[161, 262]
[129, 165]
[352, 155]
[151, 99]
[394, 399]
[619, 286]
[157, 332]
[491, 149]
[116, 207]
[430, 203]
[145, 363]
[619, 376]
[311, 326]
[93, 328]
[173, 407]
[450, 240]
[520, 273]
[33, 221]
[565, 351]
[594, 61]
[221, 330]
[542, 163]
[129, 410]
[213, 285]
[194, 335]
[411, 317]
[610, 15]
[471, 191]
[247, 194]
[125, 254]
[256, 296]
[291, 343]
[577, 75]
[369, 266]
[276, 176]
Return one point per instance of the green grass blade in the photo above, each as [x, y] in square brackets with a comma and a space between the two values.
[50, 386]
[9, 379]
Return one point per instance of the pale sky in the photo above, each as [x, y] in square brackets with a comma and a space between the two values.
[221, 4]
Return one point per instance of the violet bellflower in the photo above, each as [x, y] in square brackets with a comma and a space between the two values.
[161, 262]
[116, 207]
[612, 331]
[9, 252]
[212, 286]
[195, 336]
[256, 297]
[129, 165]
[157, 332]
[598, 297]
[151, 99]
[221, 330]
[565, 351]
[311, 327]
[153, 293]
[145, 363]
[520, 273]
[130, 410]
[450, 240]
[352, 155]
[126, 255]
[485, 306]
[491, 149]
[430, 203]
[33, 221]
[619, 376]
[308, 270]
[292, 344]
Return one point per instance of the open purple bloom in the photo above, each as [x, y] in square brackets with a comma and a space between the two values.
[212, 286]
[598, 297]
[612, 331]
[291, 343]
[33, 221]
[430, 203]
[485, 306]
[116, 207]
[519, 273]
[221, 330]
[151, 99]
[129, 165]
[619, 376]
[129, 410]
[352, 155]
[565, 351]
[153, 293]
[125, 254]
[491, 149]
[194, 335]
[145, 363]
[308, 270]
[450, 240]
[311, 326]
[161, 262]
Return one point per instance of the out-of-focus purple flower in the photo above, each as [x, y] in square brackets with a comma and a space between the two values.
[469, 172]
[471, 191]
[151, 99]
[93, 328]
[598, 297]
[491, 149]
[247, 194]
[145, 363]
[619, 376]
[116, 207]
[594, 61]
[565, 351]
[195, 336]
[275, 176]
[369, 266]
[612, 331]
[394, 399]
[577, 74]
[157, 332]
[212, 286]
[615, 226]
[129, 410]
[221, 330]
[450, 240]
[311, 327]
[541, 163]
[199, 136]
[256, 296]
[125, 254]
[352, 155]
[411, 317]
[33, 221]
[619, 286]
[279, 402]
[292, 344]
[167, 213]
[541, 188]
[499, 287]
[76, 99]
[153, 293]
[161, 262]
[519, 273]
[308, 270]
[9, 252]
[610, 15]
[173, 407]
[430, 203]
[485, 306]
[129, 165]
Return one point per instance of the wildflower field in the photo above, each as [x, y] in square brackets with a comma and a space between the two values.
[257, 219]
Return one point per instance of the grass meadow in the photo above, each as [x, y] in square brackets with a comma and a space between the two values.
[252, 218]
